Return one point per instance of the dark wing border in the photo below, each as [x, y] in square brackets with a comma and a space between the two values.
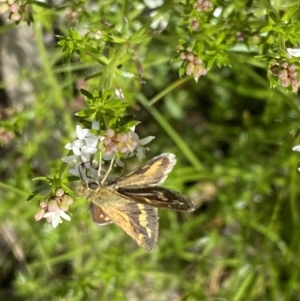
[157, 196]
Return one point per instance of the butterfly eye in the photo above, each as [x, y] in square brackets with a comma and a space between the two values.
[93, 185]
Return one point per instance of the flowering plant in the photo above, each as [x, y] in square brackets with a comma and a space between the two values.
[97, 145]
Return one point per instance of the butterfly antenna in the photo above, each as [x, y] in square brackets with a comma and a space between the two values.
[100, 164]
[109, 170]
[79, 170]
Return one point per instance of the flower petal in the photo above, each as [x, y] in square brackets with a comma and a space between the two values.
[39, 214]
[88, 150]
[72, 160]
[85, 157]
[140, 154]
[75, 172]
[64, 215]
[56, 220]
[296, 148]
[146, 140]
[92, 141]
[295, 52]
[95, 125]
[81, 133]
[68, 146]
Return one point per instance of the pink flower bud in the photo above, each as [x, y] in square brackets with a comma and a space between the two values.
[52, 206]
[197, 60]
[110, 133]
[15, 8]
[39, 214]
[15, 17]
[199, 70]
[285, 82]
[59, 192]
[190, 57]
[182, 56]
[283, 74]
[190, 68]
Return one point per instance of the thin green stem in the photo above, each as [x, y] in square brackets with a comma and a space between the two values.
[167, 90]
[179, 141]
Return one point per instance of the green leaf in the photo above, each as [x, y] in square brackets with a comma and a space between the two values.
[274, 16]
[139, 36]
[94, 75]
[91, 49]
[86, 93]
[289, 13]
[266, 29]
[114, 104]
[45, 179]
[279, 29]
[74, 34]
[85, 113]
[37, 191]
[221, 37]
[117, 40]
[297, 133]
[68, 190]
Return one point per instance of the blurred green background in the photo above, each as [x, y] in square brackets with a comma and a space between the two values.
[232, 136]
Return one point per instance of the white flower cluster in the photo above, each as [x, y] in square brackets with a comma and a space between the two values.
[87, 145]
[55, 209]
[83, 149]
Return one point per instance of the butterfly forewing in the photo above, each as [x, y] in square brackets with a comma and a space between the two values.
[152, 173]
[158, 197]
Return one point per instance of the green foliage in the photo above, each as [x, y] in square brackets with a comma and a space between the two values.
[126, 64]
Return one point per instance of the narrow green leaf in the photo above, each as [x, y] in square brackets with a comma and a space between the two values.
[290, 12]
[37, 191]
[266, 29]
[86, 93]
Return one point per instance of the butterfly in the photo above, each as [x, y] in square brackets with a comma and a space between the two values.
[131, 201]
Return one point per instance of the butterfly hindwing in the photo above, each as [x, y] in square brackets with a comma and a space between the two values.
[98, 216]
[152, 173]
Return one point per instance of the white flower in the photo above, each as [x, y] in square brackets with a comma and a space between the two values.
[126, 144]
[54, 217]
[83, 148]
[295, 52]
[140, 149]
[296, 148]
[85, 145]
[55, 209]
[71, 160]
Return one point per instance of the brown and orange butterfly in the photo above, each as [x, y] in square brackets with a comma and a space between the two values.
[131, 202]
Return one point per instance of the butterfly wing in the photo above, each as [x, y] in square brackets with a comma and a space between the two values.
[158, 197]
[138, 220]
[98, 216]
[151, 173]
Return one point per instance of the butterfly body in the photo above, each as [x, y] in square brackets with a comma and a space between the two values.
[131, 202]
